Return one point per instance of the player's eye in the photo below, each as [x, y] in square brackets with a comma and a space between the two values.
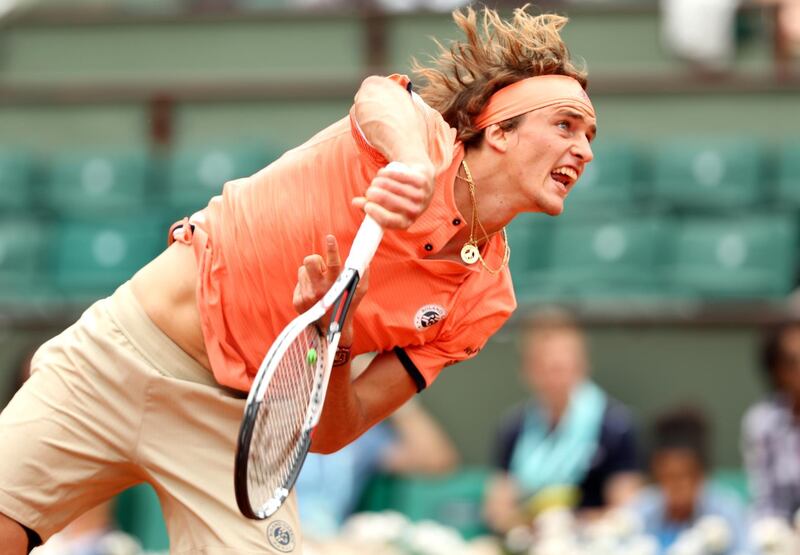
[564, 124]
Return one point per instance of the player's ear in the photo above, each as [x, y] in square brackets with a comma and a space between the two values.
[496, 138]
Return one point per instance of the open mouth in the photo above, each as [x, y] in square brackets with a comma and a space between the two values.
[564, 175]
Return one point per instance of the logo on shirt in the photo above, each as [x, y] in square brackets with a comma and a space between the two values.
[429, 315]
[281, 536]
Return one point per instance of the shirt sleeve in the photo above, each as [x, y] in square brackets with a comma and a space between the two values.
[466, 332]
[440, 136]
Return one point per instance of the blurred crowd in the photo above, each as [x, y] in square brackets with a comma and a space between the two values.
[573, 478]
[571, 474]
[701, 31]
[706, 32]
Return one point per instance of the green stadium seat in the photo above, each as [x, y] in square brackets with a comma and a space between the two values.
[92, 258]
[97, 183]
[530, 237]
[616, 257]
[789, 174]
[455, 500]
[195, 174]
[753, 257]
[23, 258]
[715, 174]
[16, 180]
[609, 181]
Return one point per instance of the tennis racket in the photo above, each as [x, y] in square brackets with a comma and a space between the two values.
[287, 395]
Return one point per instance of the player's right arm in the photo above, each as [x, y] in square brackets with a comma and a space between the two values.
[392, 125]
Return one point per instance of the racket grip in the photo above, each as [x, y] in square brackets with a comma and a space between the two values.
[369, 235]
[365, 244]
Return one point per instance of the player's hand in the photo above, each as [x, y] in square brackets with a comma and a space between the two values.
[316, 276]
[397, 197]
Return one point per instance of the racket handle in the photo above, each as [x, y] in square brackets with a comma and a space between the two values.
[365, 244]
[369, 234]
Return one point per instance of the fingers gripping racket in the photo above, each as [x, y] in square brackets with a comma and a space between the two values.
[286, 398]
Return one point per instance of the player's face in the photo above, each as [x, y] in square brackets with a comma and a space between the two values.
[547, 153]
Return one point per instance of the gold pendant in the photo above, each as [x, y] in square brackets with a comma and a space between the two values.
[470, 253]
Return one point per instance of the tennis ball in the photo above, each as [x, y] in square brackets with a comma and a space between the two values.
[311, 356]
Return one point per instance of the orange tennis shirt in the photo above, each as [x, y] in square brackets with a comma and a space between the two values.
[251, 240]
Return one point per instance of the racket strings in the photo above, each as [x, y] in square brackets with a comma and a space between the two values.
[279, 429]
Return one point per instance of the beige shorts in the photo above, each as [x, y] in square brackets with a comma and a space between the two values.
[112, 402]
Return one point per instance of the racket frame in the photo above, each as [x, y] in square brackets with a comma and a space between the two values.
[338, 298]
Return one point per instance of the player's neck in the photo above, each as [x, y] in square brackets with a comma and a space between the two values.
[494, 210]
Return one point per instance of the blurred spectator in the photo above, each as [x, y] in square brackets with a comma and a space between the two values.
[681, 498]
[701, 31]
[788, 23]
[408, 442]
[7, 7]
[570, 444]
[94, 532]
[771, 428]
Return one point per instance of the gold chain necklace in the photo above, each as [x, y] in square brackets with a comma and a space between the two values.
[470, 252]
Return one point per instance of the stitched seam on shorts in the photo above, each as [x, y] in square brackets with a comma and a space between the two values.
[130, 344]
[125, 342]
[134, 455]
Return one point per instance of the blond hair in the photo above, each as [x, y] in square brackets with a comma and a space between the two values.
[494, 54]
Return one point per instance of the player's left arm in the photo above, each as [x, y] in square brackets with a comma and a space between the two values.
[351, 406]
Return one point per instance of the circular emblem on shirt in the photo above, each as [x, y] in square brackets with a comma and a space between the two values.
[281, 536]
[429, 315]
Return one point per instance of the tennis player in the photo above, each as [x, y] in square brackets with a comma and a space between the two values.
[148, 386]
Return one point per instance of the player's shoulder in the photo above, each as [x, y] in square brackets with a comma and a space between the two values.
[433, 118]
[340, 129]
[441, 137]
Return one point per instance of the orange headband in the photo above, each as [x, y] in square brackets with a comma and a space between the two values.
[531, 94]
